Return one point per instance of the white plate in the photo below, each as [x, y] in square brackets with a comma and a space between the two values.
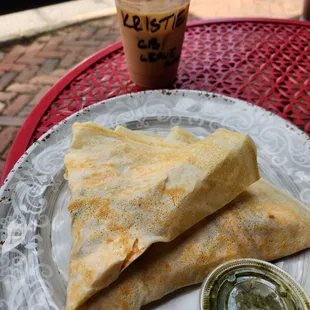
[35, 223]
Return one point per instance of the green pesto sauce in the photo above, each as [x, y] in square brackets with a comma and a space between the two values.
[253, 295]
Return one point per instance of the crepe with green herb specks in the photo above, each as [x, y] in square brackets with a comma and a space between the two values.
[128, 194]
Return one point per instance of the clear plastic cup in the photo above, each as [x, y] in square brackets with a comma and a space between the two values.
[152, 33]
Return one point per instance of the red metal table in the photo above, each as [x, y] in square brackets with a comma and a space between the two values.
[263, 61]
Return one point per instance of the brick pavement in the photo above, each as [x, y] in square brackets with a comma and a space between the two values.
[29, 68]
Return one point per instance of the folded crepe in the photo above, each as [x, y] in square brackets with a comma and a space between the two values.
[128, 194]
[263, 222]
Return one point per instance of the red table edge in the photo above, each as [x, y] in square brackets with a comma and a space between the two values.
[25, 133]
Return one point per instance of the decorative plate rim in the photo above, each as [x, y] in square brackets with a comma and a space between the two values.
[167, 92]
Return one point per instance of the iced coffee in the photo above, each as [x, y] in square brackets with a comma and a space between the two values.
[152, 33]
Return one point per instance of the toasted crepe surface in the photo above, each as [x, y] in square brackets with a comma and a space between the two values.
[263, 222]
[177, 136]
[128, 194]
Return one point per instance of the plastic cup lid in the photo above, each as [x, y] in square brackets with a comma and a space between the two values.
[245, 284]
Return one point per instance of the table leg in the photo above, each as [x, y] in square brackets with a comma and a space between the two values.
[306, 10]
